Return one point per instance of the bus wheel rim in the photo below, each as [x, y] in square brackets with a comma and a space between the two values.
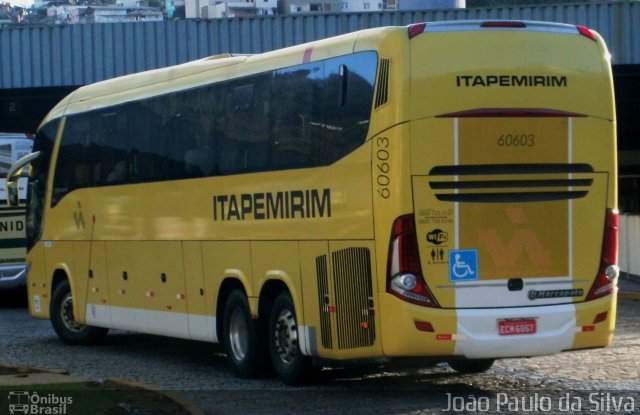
[238, 335]
[66, 313]
[286, 336]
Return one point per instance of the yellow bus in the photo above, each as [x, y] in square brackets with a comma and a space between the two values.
[443, 190]
[12, 215]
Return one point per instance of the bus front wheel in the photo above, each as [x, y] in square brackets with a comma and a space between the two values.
[64, 323]
[243, 339]
[290, 365]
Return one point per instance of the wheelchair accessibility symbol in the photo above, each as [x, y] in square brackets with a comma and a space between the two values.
[463, 265]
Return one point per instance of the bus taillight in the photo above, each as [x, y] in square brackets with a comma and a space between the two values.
[585, 31]
[416, 29]
[608, 273]
[404, 272]
[504, 24]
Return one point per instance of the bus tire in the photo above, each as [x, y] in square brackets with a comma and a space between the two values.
[63, 322]
[466, 366]
[290, 365]
[244, 340]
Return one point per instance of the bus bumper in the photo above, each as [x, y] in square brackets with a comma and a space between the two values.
[474, 333]
[12, 276]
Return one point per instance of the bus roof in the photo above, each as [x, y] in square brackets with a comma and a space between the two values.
[227, 66]
[196, 73]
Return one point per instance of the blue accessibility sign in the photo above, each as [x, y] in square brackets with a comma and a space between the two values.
[463, 265]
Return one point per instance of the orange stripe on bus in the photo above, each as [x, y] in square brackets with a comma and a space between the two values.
[307, 55]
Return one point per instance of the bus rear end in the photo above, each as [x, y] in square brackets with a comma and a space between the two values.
[12, 215]
[510, 249]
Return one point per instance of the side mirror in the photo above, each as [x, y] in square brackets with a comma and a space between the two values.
[12, 193]
[13, 178]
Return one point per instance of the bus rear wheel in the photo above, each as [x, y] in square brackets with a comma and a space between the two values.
[244, 339]
[290, 365]
[467, 366]
[64, 323]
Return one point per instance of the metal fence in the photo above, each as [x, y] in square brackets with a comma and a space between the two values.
[629, 245]
[71, 55]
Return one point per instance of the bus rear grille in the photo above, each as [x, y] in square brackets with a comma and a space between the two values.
[382, 92]
[484, 169]
[353, 298]
[510, 197]
[513, 190]
[324, 301]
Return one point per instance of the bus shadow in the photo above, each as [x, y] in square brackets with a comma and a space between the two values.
[189, 356]
[404, 373]
[14, 298]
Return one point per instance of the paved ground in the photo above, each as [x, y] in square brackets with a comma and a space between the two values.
[594, 381]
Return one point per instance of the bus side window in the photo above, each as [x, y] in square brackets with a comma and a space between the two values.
[243, 97]
[230, 134]
[72, 169]
[347, 103]
[199, 158]
[149, 138]
[297, 120]
[244, 123]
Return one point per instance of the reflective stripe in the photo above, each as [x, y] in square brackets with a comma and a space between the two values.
[166, 323]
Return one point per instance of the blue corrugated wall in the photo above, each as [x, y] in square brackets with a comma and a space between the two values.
[46, 56]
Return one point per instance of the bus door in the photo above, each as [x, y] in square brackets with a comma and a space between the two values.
[147, 287]
[98, 311]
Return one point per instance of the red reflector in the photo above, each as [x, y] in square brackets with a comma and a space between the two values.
[307, 55]
[505, 23]
[585, 31]
[587, 329]
[444, 336]
[424, 326]
[600, 318]
[416, 29]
